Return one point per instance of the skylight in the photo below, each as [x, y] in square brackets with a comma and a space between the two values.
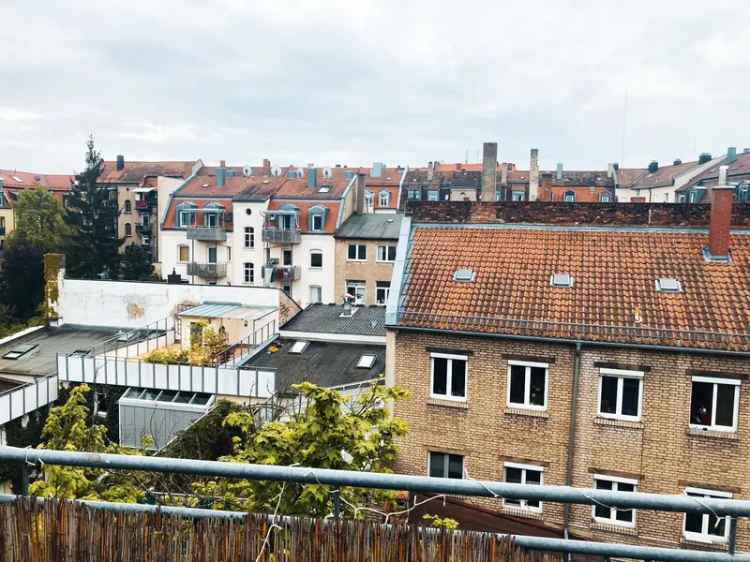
[668, 285]
[366, 362]
[18, 352]
[464, 275]
[298, 347]
[324, 189]
[561, 280]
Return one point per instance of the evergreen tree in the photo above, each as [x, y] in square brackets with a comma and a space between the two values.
[136, 263]
[21, 281]
[92, 214]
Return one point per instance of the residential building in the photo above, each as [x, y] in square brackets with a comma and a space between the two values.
[142, 189]
[13, 182]
[382, 188]
[738, 176]
[608, 348]
[587, 186]
[365, 254]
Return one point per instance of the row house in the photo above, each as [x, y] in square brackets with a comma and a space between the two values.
[593, 351]
[738, 176]
[13, 182]
[142, 189]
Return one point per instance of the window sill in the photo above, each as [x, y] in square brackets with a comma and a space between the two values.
[712, 434]
[612, 528]
[524, 412]
[521, 512]
[460, 404]
[719, 544]
[613, 422]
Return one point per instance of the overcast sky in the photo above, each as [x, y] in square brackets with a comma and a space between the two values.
[586, 82]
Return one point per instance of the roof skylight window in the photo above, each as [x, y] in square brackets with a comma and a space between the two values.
[668, 285]
[298, 347]
[324, 189]
[464, 275]
[18, 352]
[561, 280]
[366, 362]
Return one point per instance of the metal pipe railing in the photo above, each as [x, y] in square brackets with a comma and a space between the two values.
[412, 483]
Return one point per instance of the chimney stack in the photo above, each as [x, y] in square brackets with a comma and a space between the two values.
[721, 218]
[377, 169]
[266, 167]
[359, 195]
[559, 172]
[534, 175]
[312, 177]
[221, 173]
[731, 154]
[489, 171]
[120, 162]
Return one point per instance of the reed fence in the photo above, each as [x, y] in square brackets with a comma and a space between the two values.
[64, 531]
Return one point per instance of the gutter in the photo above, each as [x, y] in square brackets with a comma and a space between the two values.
[398, 276]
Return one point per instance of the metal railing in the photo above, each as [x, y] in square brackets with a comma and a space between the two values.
[421, 484]
[207, 270]
[237, 353]
[283, 273]
[281, 235]
[207, 233]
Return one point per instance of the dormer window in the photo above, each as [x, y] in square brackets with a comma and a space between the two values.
[561, 280]
[213, 215]
[317, 218]
[464, 275]
[384, 199]
[186, 214]
[668, 285]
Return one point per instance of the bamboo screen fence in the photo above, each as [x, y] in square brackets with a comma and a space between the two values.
[61, 531]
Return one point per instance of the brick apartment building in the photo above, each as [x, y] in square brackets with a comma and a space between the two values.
[612, 355]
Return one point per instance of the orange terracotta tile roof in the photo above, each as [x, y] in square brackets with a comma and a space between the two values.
[613, 297]
[304, 206]
[136, 171]
[16, 180]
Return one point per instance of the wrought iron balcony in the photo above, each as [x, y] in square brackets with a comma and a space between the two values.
[207, 233]
[284, 273]
[276, 235]
[207, 270]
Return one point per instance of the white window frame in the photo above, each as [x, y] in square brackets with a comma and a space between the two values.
[309, 262]
[620, 375]
[246, 270]
[317, 216]
[384, 199]
[387, 294]
[446, 462]
[523, 502]
[527, 386]
[612, 519]
[356, 285]
[449, 376]
[319, 290]
[716, 381]
[356, 252]
[384, 258]
[433, 195]
[249, 237]
[703, 536]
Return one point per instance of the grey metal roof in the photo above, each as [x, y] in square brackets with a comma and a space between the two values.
[211, 310]
[379, 226]
[42, 360]
[326, 364]
[326, 319]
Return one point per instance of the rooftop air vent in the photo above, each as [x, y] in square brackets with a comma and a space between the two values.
[668, 285]
[299, 346]
[561, 280]
[464, 275]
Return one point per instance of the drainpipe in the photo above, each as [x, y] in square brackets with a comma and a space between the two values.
[572, 432]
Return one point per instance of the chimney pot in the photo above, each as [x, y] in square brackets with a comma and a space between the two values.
[534, 174]
[720, 221]
[489, 171]
[120, 162]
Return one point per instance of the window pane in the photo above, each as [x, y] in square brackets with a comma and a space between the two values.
[513, 475]
[608, 400]
[538, 376]
[458, 379]
[601, 511]
[352, 252]
[630, 396]
[517, 378]
[316, 260]
[716, 526]
[725, 404]
[624, 515]
[455, 466]
[533, 477]
[603, 484]
[363, 252]
[437, 461]
[622, 487]
[439, 375]
[391, 253]
[700, 406]
[693, 522]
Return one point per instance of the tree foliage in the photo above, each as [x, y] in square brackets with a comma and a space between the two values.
[40, 220]
[330, 432]
[206, 346]
[136, 264]
[67, 428]
[21, 280]
[92, 214]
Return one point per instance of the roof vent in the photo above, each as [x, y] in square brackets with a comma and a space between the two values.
[668, 285]
[464, 275]
[561, 280]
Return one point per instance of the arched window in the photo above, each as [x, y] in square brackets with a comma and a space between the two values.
[128, 229]
[384, 199]
[570, 197]
[128, 206]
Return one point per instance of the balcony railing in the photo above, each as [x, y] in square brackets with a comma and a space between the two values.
[207, 270]
[283, 273]
[276, 235]
[207, 233]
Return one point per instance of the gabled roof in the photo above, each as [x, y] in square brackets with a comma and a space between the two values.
[613, 298]
[663, 176]
[14, 179]
[136, 171]
[739, 169]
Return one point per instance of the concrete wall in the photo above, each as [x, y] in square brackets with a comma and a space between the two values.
[131, 305]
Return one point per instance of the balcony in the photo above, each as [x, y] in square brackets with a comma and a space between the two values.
[282, 273]
[144, 205]
[207, 233]
[207, 270]
[275, 235]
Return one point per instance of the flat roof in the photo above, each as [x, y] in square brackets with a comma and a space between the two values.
[326, 364]
[226, 310]
[327, 319]
[41, 360]
[7, 384]
[378, 226]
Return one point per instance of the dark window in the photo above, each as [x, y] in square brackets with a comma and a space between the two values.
[444, 465]
[528, 386]
[708, 525]
[620, 395]
[520, 474]
[449, 377]
[316, 259]
[128, 205]
[287, 257]
[357, 252]
[611, 514]
[128, 229]
[713, 404]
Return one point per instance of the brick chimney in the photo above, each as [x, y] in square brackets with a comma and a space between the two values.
[120, 162]
[359, 195]
[722, 196]
[266, 167]
[534, 175]
[504, 174]
[489, 171]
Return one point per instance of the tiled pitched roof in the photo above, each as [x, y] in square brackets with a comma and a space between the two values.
[664, 176]
[739, 169]
[135, 171]
[613, 298]
[628, 177]
[304, 207]
[577, 177]
[28, 180]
